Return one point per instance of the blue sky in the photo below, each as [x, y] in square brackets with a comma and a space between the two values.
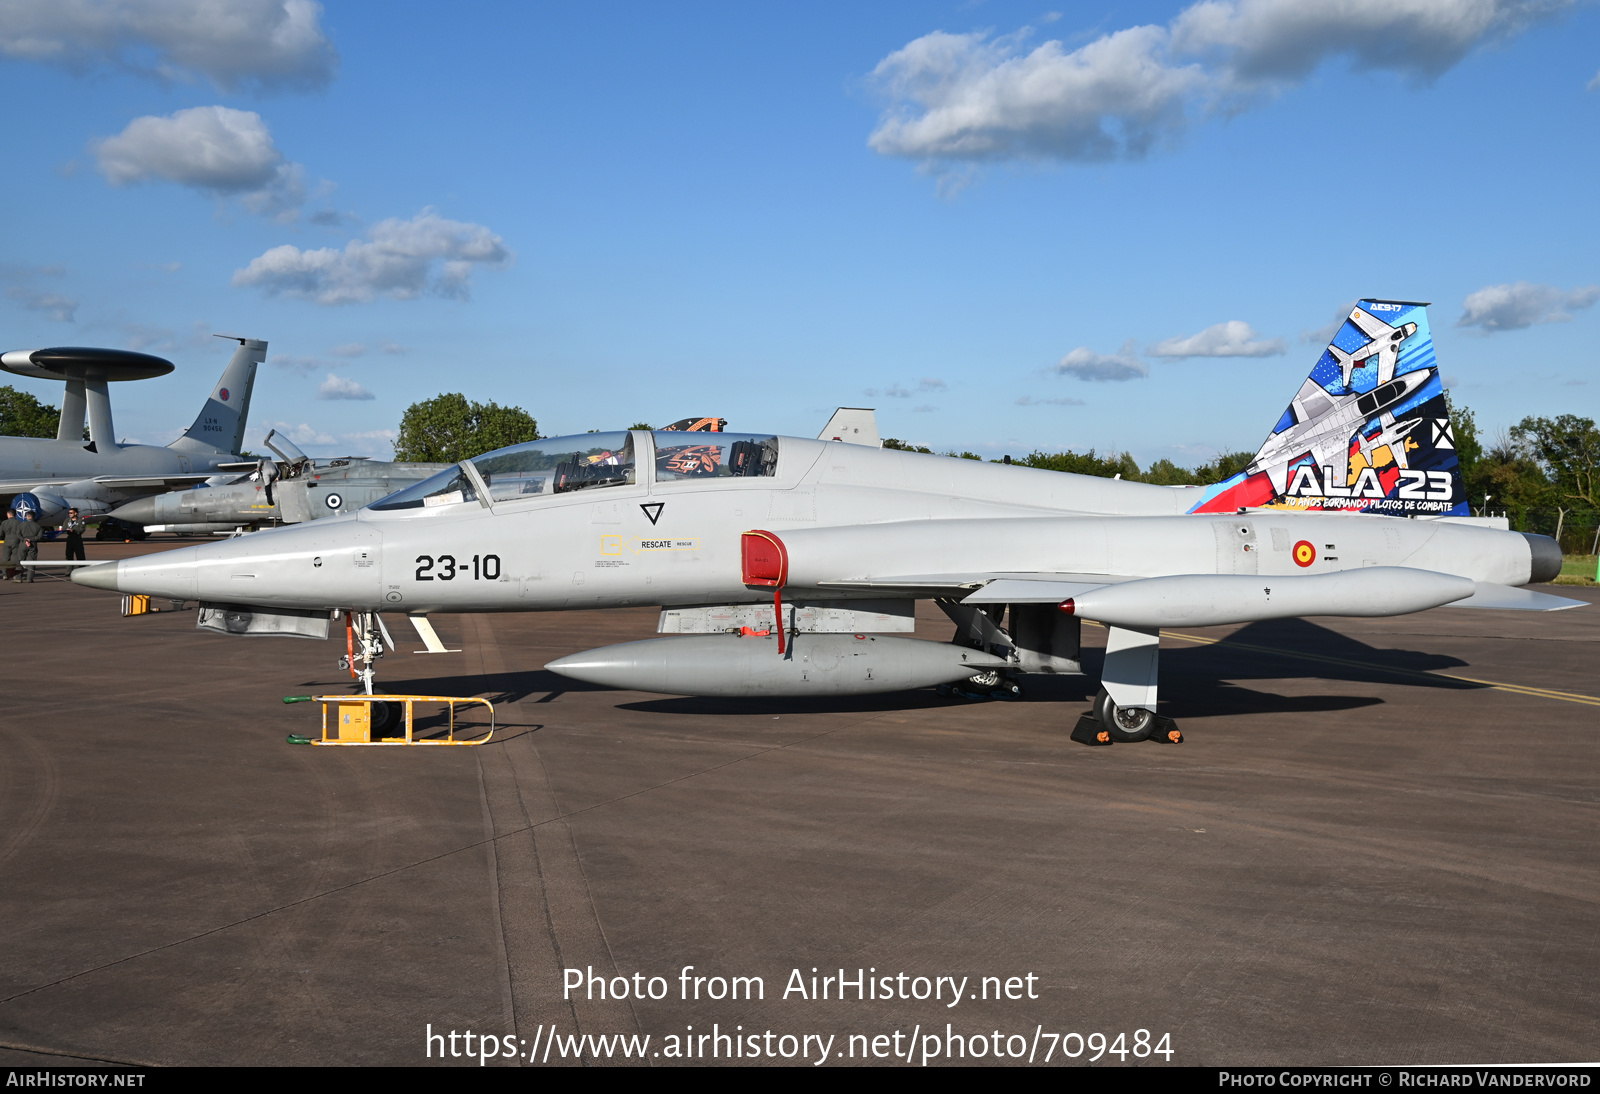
[975, 217]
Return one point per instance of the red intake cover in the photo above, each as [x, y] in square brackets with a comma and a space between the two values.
[764, 559]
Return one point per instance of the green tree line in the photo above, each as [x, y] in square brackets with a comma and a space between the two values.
[1162, 472]
[451, 428]
[21, 415]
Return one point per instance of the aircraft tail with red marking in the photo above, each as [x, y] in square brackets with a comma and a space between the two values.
[220, 425]
[1367, 432]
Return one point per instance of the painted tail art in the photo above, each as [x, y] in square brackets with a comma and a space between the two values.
[1367, 432]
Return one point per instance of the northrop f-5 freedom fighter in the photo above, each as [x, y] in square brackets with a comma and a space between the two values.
[786, 566]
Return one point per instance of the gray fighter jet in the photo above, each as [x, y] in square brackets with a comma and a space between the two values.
[292, 489]
[96, 476]
[786, 565]
[295, 488]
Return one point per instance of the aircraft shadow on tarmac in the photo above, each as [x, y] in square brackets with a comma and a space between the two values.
[1197, 681]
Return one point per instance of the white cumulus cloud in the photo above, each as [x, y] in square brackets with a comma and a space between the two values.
[970, 97]
[1086, 364]
[900, 391]
[973, 97]
[373, 442]
[1285, 40]
[1235, 338]
[342, 387]
[63, 309]
[236, 44]
[1522, 304]
[404, 259]
[27, 289]
[215, 149]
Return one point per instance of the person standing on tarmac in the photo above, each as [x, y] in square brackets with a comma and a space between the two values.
[30, 533]
[10, 539]
[75, 528]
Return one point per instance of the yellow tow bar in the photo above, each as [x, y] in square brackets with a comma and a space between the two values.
[352, 723]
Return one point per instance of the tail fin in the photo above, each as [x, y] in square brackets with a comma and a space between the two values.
[220, 425]
[1367, 432]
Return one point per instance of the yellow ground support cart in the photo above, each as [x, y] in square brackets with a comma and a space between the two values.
[353, 721]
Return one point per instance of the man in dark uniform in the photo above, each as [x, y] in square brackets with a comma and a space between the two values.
[75, 528]
[29, 533]
[10, 539]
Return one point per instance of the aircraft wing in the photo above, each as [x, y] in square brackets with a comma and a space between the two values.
[136, 482]
[987, 588]
[20, 486]
[1200, 600]
[146, 482]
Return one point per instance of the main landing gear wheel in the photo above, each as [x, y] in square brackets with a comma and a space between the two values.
[387, 718]
[1126, 725]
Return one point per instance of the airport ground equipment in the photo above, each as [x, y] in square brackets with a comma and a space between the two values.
[1354, 506]
[355, 720]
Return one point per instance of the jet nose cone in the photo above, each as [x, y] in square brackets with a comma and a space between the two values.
[103, 576]
[565, 665]
[142, 511]
[601, 666]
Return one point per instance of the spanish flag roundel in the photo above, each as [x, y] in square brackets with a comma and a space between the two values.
[1304, 554]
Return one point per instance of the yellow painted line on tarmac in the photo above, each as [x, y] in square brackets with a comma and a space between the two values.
[1515, 689]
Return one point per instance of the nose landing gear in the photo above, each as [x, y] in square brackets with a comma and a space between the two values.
[364, 637]
[1106, 723]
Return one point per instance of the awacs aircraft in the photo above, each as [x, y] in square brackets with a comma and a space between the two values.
[96, 476]
[784, 566]
[295, 488]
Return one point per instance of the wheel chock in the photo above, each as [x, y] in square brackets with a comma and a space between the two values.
[1089, 731]
[1167, 731]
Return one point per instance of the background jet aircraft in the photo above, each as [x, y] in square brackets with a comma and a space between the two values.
[97, 475]
[292, 489]
[295, 488]
[830, 545]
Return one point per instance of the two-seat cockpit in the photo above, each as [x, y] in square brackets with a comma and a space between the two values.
[591, 461]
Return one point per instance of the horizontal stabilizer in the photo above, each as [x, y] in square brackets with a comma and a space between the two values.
[1506, 598]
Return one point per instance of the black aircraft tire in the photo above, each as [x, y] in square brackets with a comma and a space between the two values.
[1126, 725]
[386, 719]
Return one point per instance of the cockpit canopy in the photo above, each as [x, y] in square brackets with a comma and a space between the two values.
[591, 461]
[554, 465]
